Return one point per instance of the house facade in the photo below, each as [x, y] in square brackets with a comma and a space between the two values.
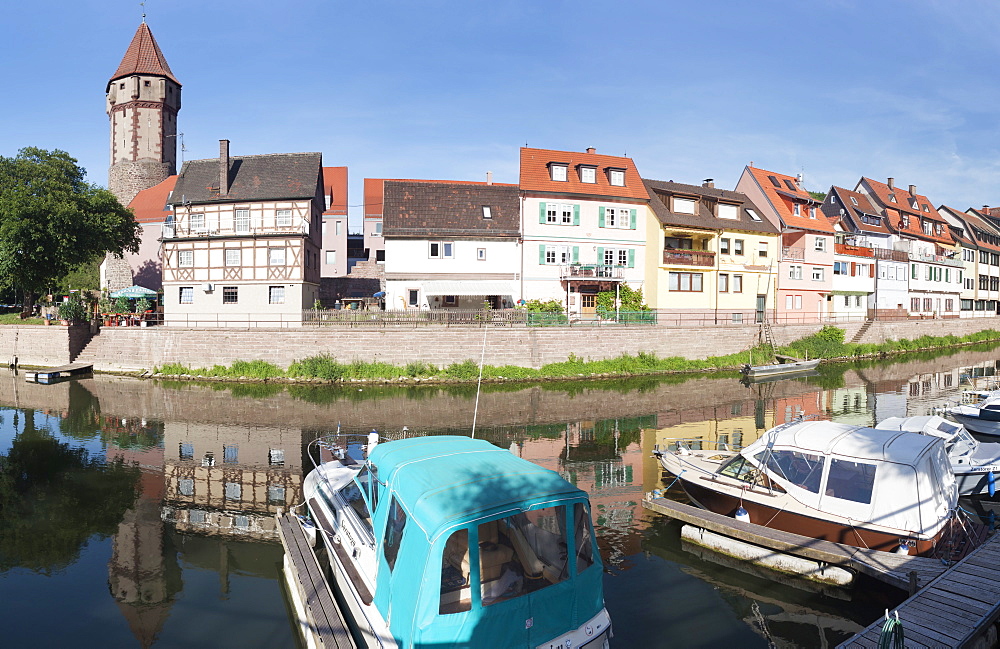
[450, 245]
[583, 226]
[243, 246]
[936, 268]
[805, 257]
[870, 278]
[978, 243]
[704, 258]
[333, 262]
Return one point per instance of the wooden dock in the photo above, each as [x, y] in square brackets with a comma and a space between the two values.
[906, 572]
[53, 374]
[320, 619]
[954, 610]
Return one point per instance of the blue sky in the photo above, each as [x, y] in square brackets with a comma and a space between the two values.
[832, 89]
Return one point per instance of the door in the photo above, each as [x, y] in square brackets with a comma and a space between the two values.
[588, 305]
[761, 307]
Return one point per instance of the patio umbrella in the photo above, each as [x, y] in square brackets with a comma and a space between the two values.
[134, 292]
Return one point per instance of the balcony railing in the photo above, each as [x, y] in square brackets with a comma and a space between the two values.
[688, 258]
[938, 259]
[174, 230]
[595, 271]
[796, 254]
[868, 251]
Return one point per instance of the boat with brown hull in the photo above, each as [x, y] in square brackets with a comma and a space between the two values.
[885, 490]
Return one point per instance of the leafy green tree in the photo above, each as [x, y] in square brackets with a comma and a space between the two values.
[820, 196]
[52, 221]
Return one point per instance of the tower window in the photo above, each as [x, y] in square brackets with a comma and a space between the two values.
[121, 86]
[145, 83]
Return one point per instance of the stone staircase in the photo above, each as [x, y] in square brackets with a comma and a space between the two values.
[859, 336]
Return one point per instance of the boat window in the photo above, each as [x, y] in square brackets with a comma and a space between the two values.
[522, 553]
[583, 536]
[455, 594]
[851, 480]
[803, 470]
[393, 533]
[369, 485]
[352, 494]
[738, 468]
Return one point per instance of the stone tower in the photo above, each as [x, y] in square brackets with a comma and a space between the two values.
[143, 98]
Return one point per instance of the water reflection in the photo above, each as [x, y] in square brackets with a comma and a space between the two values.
[181, 533]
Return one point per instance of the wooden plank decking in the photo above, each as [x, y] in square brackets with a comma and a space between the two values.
[49, 374]
[324, 617]
[953, 610]
[887, 567]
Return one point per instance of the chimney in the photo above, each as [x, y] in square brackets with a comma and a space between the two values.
[913, 190]
[591, 149]
[986, 209]
[709, 183]
[892, 183]
[489, 177]
[223, 167]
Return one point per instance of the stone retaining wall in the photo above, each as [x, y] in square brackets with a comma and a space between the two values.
[126, 348]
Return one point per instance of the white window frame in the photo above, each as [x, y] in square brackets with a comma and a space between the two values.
[729, 212]
[197, 221]
[688, 205]
[283, 218]
[230, 294]
[276, 257]
[618, 217]
[558, 172]
[185, 295]
[241, 221]
[276, 294]
[557, 255]
[588, 174]
[185, 258]
[818, 274]
[331, 257]
[795, 271]
[445, 250]
[820, 244]
[616, 177]
[229, 257]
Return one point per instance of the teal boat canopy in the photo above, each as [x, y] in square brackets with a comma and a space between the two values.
[478, 547]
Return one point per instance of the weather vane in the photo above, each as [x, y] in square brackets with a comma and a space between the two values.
[143, 5]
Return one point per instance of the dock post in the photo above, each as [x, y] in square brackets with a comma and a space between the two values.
[913, 583]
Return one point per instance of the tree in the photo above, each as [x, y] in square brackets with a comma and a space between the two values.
[52, 221]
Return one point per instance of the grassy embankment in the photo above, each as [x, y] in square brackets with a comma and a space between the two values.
[15, 318]
[827, 343]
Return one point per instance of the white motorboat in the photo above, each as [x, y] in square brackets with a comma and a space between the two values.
[979, 412]
[976, 464]
[847, 484]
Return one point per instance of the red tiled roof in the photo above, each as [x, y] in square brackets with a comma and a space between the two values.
[535, 176]
[149, 204]
[789, 193]
[335, 186]
[903, 205]
[374, 191]
[979, 230]
[143, 57]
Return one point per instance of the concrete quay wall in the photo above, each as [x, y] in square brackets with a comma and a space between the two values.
[128, 348]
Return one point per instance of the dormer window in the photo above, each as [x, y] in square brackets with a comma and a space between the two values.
[892, 198]
[588, 174]
[616, 177]
[928, 228]
[812, 212]
[938, 228]
[925, 208]
[730, 212]
[904, 221]
[797, 209]
[913, 204]
[557, 171]
[683, 205]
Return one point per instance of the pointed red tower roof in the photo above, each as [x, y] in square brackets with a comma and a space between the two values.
[143, 57]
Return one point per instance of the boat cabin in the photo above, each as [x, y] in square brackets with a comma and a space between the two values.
[891, 478]
[475, 546]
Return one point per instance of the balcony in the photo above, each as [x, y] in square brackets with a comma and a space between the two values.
[674, 257]
[871, 252]
[592, 271]
[182, 230]
[945, 260]
[794, 254]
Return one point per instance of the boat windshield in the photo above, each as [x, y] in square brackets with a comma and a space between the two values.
[804, 470]
[738, 467]
[351, 493]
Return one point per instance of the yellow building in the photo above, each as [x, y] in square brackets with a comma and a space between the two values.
[715, 257]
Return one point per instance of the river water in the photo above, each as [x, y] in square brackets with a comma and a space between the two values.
[140, 513]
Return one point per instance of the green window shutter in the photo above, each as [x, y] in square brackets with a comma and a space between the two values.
[913, 271]
[631, 258]
[600, 256]
[541, 214]
[576, 215]
[947, 275]
[632, 223]
[541, 254]
[576, 254]
[600, 217]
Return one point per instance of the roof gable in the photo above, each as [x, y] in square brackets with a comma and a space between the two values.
[536, 175]
[784, 194]
[143, 56]
[335, 189]
[705, 206]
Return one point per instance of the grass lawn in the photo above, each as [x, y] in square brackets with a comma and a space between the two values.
[14, 318]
